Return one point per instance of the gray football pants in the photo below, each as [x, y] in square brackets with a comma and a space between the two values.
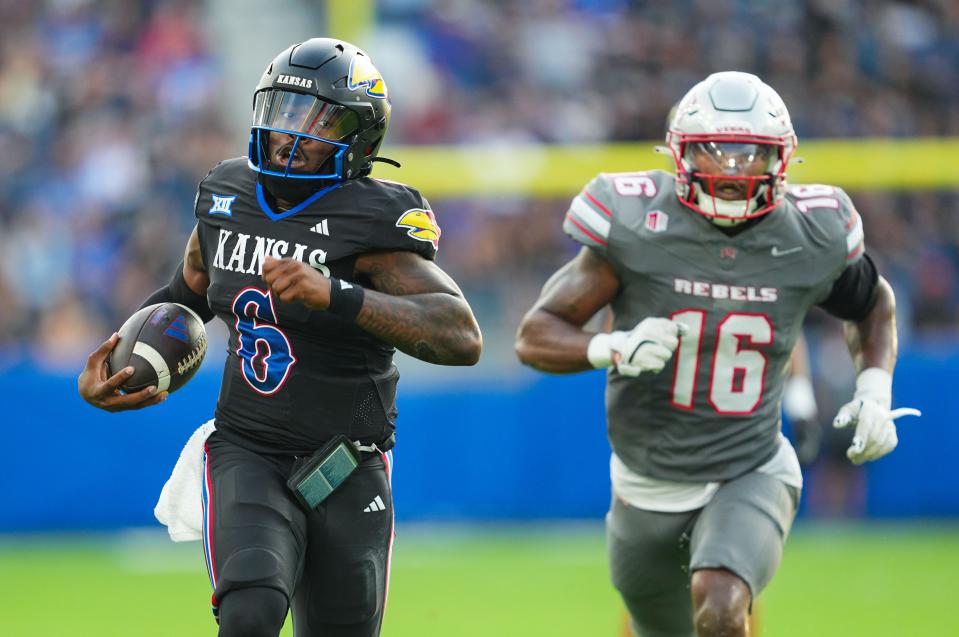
[651, 554]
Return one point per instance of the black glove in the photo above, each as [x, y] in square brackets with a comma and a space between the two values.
[807, 434]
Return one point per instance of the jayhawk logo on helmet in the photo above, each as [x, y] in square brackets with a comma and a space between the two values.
[364, 75]
[422, 225]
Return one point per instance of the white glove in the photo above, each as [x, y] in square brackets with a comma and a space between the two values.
[869, 411]
[645, 348]
[799, 399]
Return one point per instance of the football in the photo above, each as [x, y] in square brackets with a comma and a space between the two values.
[164, 343]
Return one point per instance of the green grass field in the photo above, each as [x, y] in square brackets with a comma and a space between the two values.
[867, 581]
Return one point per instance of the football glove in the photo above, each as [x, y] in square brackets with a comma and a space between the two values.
[645, 348]
[870, 412]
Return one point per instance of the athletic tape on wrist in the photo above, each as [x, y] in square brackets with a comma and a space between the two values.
[599, 353]
[875, 383]
[600, 350]
[346, 299]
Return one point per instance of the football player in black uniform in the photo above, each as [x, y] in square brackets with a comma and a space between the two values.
[320, 271]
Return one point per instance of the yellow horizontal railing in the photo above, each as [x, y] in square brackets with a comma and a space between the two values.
[560, 170]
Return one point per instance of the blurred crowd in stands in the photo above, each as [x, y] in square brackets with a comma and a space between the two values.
[108, 118]
[111, 112]
[587, 70]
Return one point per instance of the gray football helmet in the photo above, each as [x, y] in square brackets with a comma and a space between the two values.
[731, 139]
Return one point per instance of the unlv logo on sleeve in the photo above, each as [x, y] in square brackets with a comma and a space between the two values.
[656, 220]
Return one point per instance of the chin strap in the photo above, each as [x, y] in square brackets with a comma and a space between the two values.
[728, 209]
[387, 160]
[368, 168]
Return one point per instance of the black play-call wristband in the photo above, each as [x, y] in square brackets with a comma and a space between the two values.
[346, 298]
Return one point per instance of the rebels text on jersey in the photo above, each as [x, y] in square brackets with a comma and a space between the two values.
[713, 412]
[294, 377]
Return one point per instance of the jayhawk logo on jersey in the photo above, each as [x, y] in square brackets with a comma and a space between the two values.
[422, 225]
[364, 75]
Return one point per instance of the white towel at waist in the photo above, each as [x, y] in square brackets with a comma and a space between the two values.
[180, 506]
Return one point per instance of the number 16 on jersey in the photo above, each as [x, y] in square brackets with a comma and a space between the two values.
[737, 369]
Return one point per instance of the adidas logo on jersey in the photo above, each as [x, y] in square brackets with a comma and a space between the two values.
[724, 291]
[375, 505]
[321, 228]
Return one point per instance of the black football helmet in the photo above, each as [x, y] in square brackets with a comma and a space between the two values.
[326, 90]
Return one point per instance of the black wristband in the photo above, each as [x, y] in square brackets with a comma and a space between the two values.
[346, 299]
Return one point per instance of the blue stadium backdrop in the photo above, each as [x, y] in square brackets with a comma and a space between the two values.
[529, 450]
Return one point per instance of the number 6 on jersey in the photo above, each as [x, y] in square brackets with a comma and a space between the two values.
[265, 372]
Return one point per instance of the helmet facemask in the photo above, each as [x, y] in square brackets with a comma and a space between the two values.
[731, 178]
[300, 137]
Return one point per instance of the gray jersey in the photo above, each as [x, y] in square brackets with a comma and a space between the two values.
[713, 412]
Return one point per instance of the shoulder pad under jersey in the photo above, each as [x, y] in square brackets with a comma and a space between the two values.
[596, 208]
[225, 177]
[831, 209]
[400, 217]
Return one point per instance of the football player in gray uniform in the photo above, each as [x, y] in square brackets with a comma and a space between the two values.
[709, 274]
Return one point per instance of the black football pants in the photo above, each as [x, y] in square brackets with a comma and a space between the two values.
[331, 565]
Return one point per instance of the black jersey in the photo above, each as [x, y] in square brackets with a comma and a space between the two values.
[294, 377]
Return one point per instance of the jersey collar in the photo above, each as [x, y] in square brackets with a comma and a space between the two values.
[276, 216]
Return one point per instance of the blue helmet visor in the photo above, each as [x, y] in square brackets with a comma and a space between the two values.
[299, 136]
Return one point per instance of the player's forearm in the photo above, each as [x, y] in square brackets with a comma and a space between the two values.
[436, 327]
[550, 344]
[872, 341]
[188, 292]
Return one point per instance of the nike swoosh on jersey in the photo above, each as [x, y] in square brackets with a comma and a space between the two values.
[776, 252]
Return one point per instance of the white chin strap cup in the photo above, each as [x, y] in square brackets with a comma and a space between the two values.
[729, 210]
